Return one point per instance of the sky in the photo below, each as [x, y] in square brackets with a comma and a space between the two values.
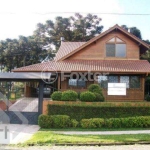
[20, 17]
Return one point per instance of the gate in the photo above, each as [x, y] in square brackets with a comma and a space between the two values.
[14, 110]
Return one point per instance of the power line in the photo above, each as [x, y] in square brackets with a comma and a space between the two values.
[100, 13]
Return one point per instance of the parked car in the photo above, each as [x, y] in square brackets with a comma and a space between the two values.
[46, 90]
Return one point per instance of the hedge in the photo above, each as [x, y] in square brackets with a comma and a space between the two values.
[79, 112]
[56, 121]
[129, 122]
[64, 121]
[92, 123]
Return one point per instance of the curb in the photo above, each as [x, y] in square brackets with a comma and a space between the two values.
[104, 144]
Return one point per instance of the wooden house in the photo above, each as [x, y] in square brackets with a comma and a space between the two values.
[111, 59]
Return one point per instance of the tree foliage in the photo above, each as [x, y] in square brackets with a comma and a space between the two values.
[75, 28]
[33, 49]
[20, 52]
[134, 30]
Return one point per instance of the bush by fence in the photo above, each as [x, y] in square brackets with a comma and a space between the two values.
[64, 121]
[56, 121]
[129, 122]
[79, 112]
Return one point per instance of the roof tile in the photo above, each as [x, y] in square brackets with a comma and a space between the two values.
[136, 66]
[66, 48]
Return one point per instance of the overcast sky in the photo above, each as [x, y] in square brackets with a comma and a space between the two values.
[19, 17]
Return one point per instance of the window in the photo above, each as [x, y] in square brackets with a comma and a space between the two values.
[103, 81]
[125, 79]
[132, 82]
[72, 82]
[113, 79]
[76, 83]
[115, 47]
[81, 83]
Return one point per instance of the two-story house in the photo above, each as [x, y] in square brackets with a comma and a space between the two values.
[111, 57]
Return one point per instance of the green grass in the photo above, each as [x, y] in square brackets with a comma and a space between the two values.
[49, 137]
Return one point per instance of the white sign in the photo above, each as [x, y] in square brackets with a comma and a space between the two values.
[116, 89]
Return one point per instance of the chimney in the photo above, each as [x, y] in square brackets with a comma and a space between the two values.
[128, 29]
[62, 39]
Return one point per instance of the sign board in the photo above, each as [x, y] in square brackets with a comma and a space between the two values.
[116, 89]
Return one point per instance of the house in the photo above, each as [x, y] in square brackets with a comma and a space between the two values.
[111, 59]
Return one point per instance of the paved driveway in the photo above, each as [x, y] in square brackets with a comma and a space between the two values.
[25, 104]
[16, 133]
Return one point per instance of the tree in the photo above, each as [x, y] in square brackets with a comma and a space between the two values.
[146, 55]
[147, 41]
[74, 28]
[134, 30]
[21, 52]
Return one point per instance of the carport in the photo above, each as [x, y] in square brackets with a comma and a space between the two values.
[26, 117]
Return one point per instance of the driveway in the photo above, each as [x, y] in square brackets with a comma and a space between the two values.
[25, 104]
[16, 133]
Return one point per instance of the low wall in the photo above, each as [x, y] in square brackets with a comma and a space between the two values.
[3, 104]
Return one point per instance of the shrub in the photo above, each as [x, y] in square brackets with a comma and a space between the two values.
[79, 95]
[56, 95]
[74, 123]
[92, 123]
[69, 95]
[87, 96]
[45, 121]
[113, 123]
[129, 122]
[95, 88]
[135, 122]
[86, 111]
[147, 97]
[54, 121]
[98, 122]
[85, 123]
[99, 97]
[61, 121]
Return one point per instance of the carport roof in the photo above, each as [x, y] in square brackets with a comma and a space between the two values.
[25, 75]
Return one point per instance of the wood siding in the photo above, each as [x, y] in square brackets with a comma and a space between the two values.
[132, 94]
[97, 50]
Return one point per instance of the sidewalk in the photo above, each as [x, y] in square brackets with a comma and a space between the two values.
[16, 133]
[103, 132]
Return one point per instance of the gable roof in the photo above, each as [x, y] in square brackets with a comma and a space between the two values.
[66, 48]
[115, 66]
[66, 51]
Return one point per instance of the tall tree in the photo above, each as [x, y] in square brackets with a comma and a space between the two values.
[134, 30]
[21, 52]
[74, 28]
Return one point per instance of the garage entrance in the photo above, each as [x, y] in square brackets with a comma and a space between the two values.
[23, 110]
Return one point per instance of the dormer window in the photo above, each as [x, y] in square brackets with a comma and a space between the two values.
[115, 47]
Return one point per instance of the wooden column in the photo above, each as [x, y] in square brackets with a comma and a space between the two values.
[59, 82]
[41, 89]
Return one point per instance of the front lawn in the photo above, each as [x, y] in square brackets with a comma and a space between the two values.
[47, 137]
